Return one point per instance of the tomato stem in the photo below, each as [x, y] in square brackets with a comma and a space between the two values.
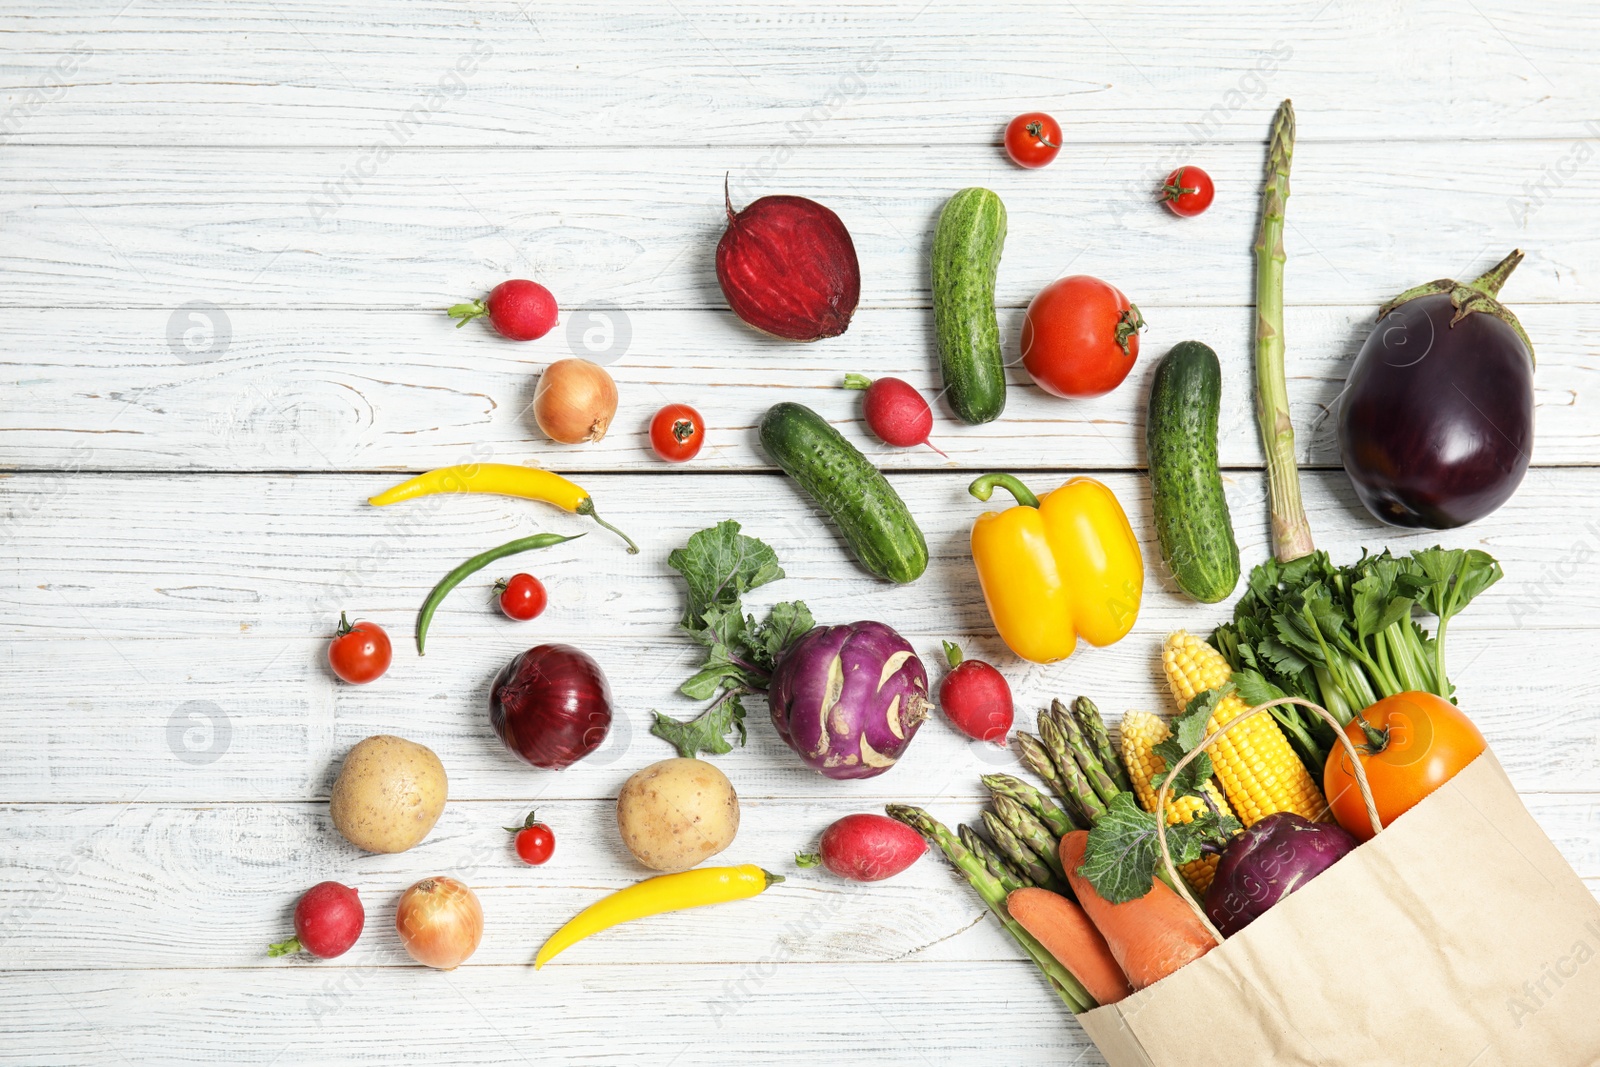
[1035, 130]
[1175, 188]
[344, 626]
[1129, 323]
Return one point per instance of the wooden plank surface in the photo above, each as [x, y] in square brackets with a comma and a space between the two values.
[342, 390]
[298, 72]
[227, 231]
[162, 226]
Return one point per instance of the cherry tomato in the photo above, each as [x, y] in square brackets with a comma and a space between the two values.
[522, 596]
[677, 432]
[1187, 191]
[535, 842]
[360, 653]
[1080, 337]
[1032, 140]
[1411, 744]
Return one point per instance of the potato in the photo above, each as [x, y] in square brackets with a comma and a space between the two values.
[675, 813]
[389, 794]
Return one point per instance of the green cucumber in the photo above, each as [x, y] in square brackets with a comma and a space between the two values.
[966, 257]
[875, 522]
[1192, 521]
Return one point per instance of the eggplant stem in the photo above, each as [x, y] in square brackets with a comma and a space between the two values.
[1291, 531]
[1490, 281]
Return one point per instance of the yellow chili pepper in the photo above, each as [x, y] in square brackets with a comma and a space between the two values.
[1057, 569]
[502, 479]
[653, 896]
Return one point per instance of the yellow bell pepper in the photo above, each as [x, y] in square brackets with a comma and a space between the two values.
[1057, 569]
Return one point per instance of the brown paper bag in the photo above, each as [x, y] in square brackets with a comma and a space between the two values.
[1457, 937]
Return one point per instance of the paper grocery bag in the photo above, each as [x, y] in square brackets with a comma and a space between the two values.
[1458, 937]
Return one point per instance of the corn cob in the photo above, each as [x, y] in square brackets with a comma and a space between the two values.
[1140, 733]
[1258, 770]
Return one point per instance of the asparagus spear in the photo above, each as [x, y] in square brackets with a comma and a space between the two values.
[1066, 764]
[1078, 745]
[1055, 819]
[1094, 730]
[1031, 833]
[1037, 759]
[1291, 532]
[999, 868]
[1020, 854]
[1071, 991]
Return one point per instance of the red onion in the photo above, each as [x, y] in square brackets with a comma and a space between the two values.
[551, 706]
[788, 268]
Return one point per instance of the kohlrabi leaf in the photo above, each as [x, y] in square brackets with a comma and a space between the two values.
[707, 732]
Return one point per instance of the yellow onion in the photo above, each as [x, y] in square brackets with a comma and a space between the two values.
[440, 922]
[574, 401]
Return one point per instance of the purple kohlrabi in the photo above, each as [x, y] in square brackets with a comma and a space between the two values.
[848, 699]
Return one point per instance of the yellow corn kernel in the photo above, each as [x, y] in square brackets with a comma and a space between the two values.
[1139, 734]
[1258, 770]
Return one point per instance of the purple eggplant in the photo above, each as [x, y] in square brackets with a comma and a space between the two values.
[1267, 862]
[849, 699]
[1436, 418]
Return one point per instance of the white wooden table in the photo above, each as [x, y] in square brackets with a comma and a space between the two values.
[227, 231]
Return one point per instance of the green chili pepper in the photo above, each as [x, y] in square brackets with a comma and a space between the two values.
[472, 566]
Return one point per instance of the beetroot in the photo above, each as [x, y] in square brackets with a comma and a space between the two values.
[327, 922]
[849, 699]
[788, 268]
[976, 697]
[866, 848]
[551, 706]
[895, 411]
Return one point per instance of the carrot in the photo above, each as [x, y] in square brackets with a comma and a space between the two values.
[1149, 937]
[1066, 932]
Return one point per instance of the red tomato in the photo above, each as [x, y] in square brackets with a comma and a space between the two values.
[535, 842]
[1032, 140]
[1411, 744]
[1187, 191]
[522, 596]
[360, 653]
[1080, 337]
[677, 432]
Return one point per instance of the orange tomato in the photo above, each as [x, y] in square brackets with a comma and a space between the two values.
[1410, 745]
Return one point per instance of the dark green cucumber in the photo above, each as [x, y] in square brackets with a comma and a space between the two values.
[1192, 521]
[875, 522]
[966, 257]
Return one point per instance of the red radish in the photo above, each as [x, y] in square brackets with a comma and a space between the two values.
[520, 310]
[895, 411]
[866, 848]
[788, 268]
[976, 697]
[327, 922]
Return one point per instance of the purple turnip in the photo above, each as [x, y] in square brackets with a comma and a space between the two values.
[1267, 862]
[849, 699]
[1436, 418]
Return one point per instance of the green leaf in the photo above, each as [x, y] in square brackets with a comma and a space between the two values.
[807, 859]
[1119, 859]
[719, 672]
[720, 565]
[784, 625]
[707, 732]
[1191, 779]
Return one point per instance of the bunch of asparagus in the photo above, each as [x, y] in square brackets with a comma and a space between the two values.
[1073, 754]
